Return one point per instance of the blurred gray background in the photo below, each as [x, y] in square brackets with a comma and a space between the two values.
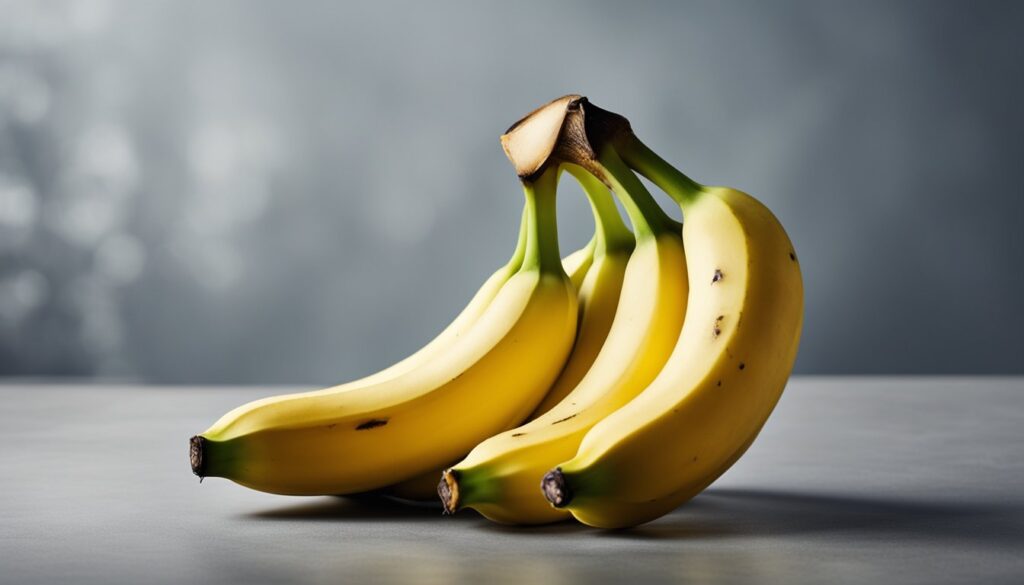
[272, 192]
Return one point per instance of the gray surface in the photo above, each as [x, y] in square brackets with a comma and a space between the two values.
[853, 481]
[310, 190]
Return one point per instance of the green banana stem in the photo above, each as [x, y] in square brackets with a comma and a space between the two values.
[669, 179]
[647, 217]
[519, 253]
[542, 224]
[211, 458]
[610, 233]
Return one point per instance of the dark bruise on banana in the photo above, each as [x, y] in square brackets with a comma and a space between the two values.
[371, 424]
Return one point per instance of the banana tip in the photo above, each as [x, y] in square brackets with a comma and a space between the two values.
[195, 456]
[555, 488]
[448, 491]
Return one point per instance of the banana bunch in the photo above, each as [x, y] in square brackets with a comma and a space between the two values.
[610, 386]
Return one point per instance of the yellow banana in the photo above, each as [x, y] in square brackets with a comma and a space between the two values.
[423, 487]
[462, 322]
[597, 297]
[725, 375]
[354, 439]
[598, 292]
[499, 478]
[575, 264]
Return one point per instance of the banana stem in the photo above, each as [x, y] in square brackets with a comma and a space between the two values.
[196, 455]
[669, 179]
[556, 489]
[520, 252]
[210, 458]
[647, 217]
[448, 491]
[610, 233]
[542, 224]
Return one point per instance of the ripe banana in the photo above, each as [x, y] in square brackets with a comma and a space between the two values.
[355, 439]
[598, 291]
[499, 478]
[726, 373]
[597, 297]
[423, 487]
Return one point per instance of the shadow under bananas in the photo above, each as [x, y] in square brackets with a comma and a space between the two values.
[724, 514]
[374, 508]
[740, 513]
[353, 508]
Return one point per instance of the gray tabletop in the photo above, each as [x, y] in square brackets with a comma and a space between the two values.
[876, 480]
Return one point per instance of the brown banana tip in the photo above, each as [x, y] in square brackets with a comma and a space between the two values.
[195, 456]
[448, 491]
[555, 488]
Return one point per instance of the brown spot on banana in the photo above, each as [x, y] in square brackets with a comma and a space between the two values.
[371, 424]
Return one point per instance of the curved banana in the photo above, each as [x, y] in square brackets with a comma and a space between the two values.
[598, 292]
[423, 487]
[597, 297]
[578, 263]
[347, 440]
[462, 322]
[725, 375]
[499, 478]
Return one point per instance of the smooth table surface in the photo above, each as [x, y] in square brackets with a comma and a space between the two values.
[853, 480]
